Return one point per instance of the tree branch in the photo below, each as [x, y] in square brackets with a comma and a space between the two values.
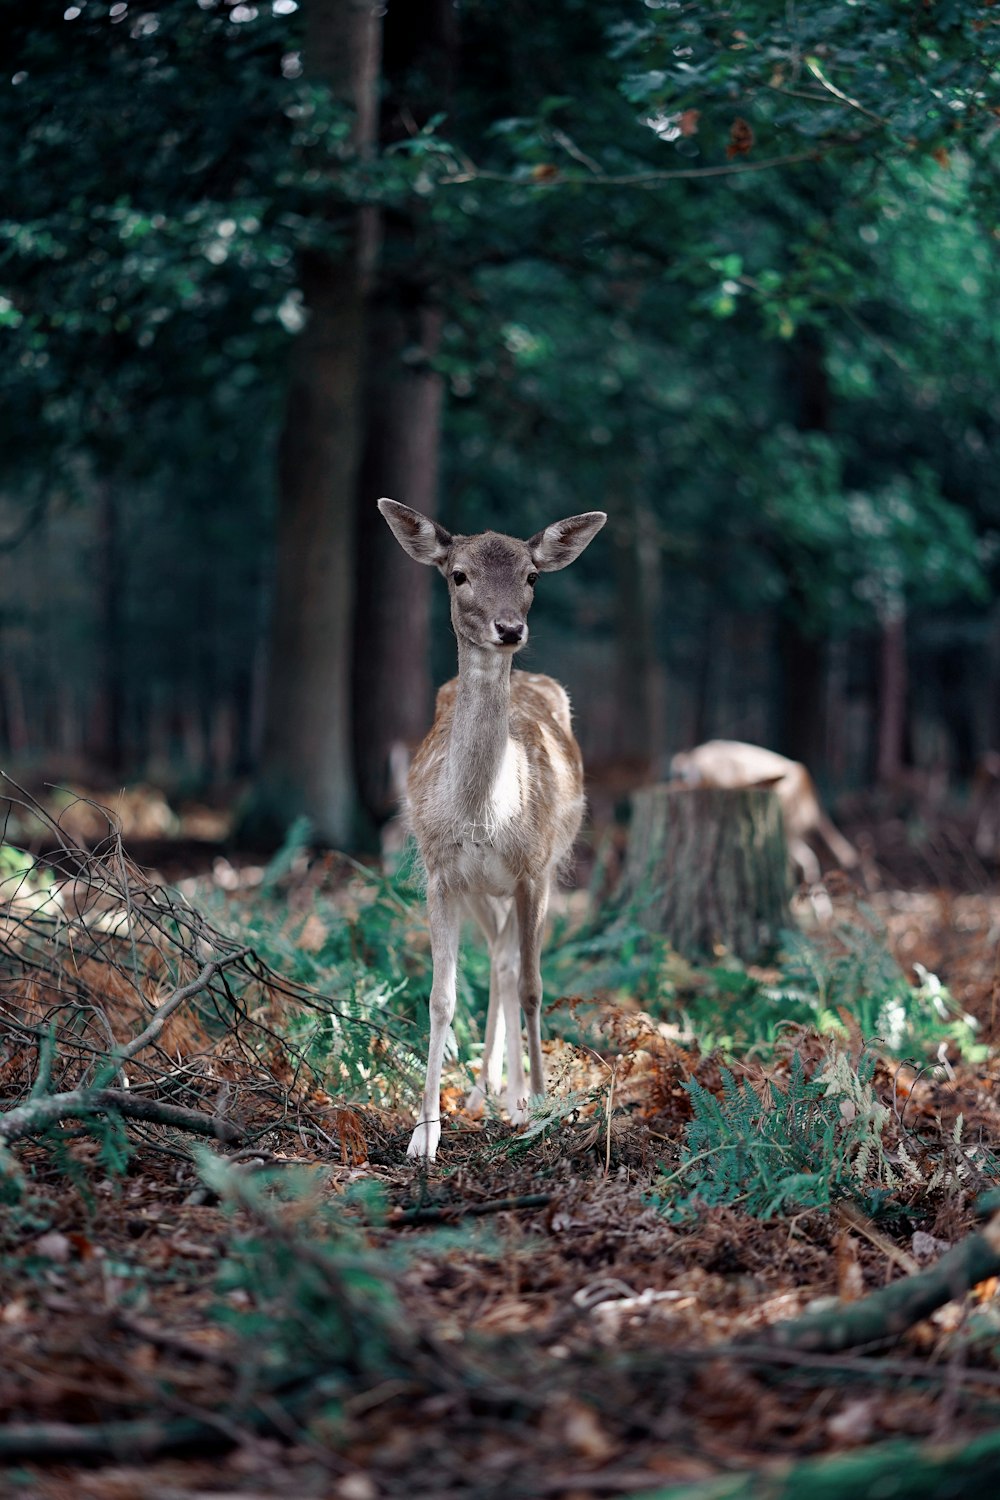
[895, 1308]
[166, 1010]
[39, 1114]
[144, 1437]
[628, 179]
[447, 1213]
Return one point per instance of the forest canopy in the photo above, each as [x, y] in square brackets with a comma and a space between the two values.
[727, 271]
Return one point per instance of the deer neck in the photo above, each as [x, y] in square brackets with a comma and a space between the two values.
[480, 754]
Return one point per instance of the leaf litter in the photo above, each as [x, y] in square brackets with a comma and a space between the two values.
[545, 1312]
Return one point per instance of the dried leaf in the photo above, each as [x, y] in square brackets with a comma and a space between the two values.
[583, 1433]
[741, 138]
[54, 1246]
[313, 934]
[850, 1282]
[855, 1423]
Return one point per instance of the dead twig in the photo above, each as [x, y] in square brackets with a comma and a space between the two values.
[852, 1218]
[142, 1438]
[177, 999]
[447, 1213]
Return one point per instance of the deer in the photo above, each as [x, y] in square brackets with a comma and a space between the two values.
[731, 763]
[494, 797]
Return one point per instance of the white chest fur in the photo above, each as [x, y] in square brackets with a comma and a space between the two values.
[483, 837]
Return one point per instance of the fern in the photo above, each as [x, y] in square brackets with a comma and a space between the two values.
[803, 1146]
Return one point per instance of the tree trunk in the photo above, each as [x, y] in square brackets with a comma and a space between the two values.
[392, 676]
[306, 758]
[991, 720]
[639, 678]
[892, 697]
[709, 869]
[803, 709]
[107, 725]
[404, 401]
[803, 655]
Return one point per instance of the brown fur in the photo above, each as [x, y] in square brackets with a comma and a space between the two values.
[495, 793]
[552, 805]
[731, 763]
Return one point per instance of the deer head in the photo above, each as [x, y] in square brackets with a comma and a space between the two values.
[491, 577]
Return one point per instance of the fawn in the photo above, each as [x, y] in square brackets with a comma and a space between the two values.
[731, 763]
[494, 795]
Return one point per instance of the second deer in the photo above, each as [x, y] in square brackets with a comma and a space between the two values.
[494, 795]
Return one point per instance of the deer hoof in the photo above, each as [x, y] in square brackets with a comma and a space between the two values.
[518, 1111]
[424, 1141]
[475, 1102]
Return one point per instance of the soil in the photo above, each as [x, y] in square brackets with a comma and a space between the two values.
[566, 1338]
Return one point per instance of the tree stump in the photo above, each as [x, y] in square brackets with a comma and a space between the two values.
[708, 867]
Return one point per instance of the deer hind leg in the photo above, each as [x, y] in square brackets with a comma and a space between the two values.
[445, 918]
[492, 916]
[531, 902]
[806, 861]
[503, 1020]
[508, 979]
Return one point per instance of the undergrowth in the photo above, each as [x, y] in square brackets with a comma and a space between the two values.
[805, 1145]
[299, 1288]
[364, 940]
[810, 1142]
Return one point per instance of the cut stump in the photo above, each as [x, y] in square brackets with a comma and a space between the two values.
[708, 867]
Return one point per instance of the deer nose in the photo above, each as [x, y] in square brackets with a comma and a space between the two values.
[509, 631]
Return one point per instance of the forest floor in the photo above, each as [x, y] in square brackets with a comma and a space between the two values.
[531, 1316]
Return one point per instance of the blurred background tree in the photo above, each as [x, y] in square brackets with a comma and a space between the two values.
[726, 271]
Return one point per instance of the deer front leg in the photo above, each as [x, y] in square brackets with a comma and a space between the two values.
[444, 916]
[532, 901]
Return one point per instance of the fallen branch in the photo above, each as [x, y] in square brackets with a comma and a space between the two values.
[172, 1002]
[852, 1218]
[144, 1437]
[905, 1470]
[895, 1308]
[446, 1213]
[39, 1114]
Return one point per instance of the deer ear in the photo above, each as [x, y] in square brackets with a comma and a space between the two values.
[424, 540]
[562, 542]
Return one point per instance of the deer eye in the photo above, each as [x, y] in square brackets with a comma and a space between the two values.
[532, 579]
[458, 577]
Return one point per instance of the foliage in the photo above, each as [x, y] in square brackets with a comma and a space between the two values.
[818, 1140]
[850, 973]
[627, 311]
[309, 1293]
[831, 979]
[826, 77]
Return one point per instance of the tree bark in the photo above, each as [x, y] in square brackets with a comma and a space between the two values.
[306, 756]
[891, 696]
[392, 673]
[403, 412]
[708, 868]
[639, 679]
